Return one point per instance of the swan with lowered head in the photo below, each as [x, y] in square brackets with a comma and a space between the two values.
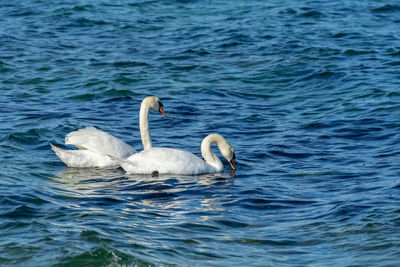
[174, 161]
[96, 148]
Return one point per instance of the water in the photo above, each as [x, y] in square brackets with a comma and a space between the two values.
[307, 93]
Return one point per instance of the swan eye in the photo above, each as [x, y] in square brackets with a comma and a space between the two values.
[160, 104]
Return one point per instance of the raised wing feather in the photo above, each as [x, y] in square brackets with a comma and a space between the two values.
[100, 142]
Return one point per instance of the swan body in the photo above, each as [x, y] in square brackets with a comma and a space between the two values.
[175, 161]
[97, 148]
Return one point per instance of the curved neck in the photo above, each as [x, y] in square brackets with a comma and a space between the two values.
[208, 155]
[144, 126]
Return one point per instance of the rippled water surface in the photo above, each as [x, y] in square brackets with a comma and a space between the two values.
[306, 91]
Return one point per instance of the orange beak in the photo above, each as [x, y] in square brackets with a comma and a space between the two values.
[232, 162]
[160, 109]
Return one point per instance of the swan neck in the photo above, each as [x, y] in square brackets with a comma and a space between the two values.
[144, 126]
[209, 157]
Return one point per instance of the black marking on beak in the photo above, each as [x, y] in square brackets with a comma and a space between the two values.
[232, 162]
[161, 110]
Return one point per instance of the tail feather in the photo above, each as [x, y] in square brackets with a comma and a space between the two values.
[63, 155]
[57, 150]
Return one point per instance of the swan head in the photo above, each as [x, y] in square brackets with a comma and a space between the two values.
[155, 104]
[228, 152]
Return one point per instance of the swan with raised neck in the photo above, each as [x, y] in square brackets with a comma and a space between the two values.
[150, 102]
[97, 148]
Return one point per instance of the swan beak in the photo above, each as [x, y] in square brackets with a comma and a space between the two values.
[160, 109]
[232, 162]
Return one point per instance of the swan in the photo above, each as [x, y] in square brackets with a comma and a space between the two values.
[96, 148]
[161, 160]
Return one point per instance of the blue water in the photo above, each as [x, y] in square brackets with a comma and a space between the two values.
[306, 91]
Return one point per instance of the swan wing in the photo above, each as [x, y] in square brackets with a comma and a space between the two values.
[99, 142]
[166, 161]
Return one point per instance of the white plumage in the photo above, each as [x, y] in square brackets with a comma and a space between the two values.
[100, 142]
[175, 161]
[97, 148]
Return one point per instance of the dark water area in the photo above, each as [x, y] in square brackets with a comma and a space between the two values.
[307, 92]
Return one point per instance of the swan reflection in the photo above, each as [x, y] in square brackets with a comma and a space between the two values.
[163, 195]
[90, 179]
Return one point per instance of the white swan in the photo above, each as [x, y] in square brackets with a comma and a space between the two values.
[174, 161]
[96, 148]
